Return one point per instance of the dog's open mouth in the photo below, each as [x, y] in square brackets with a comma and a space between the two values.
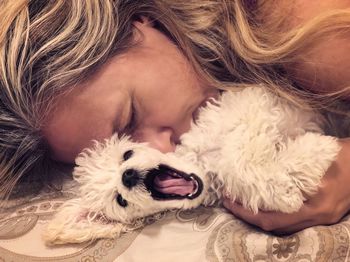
[166, 183]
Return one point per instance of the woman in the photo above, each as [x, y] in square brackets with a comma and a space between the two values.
[75, 71]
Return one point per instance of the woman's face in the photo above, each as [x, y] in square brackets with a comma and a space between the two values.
[151, 92]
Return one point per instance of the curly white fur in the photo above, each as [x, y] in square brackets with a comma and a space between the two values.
[268, 153]
[249, 144]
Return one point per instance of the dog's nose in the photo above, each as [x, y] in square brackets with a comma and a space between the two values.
[130, 178]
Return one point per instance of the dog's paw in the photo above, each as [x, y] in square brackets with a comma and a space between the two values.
[288, 200]
[279, 193]
[307, 159]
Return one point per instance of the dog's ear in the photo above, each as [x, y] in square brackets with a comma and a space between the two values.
[76, 224]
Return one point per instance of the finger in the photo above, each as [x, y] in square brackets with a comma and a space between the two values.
[269, 221]
[313, 221]
[294, 228]
[244, 214]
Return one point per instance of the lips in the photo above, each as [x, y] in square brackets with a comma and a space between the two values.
[167, 183]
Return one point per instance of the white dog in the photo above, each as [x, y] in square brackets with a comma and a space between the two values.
[250, 144]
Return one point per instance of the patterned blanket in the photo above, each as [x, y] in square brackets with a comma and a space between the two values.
[203, 234]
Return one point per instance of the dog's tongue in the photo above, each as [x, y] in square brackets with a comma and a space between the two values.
[168, 184]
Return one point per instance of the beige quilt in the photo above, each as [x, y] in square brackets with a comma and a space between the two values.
[203, 234]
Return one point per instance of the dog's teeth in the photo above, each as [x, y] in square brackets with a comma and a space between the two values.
[174, 174]
[196, 187]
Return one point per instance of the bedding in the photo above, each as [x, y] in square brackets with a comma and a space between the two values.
[203, 234]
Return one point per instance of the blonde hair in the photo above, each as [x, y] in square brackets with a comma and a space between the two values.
[47, 47]
[233, 44]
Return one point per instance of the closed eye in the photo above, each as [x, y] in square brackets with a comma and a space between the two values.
[127, 125]
[132, 123]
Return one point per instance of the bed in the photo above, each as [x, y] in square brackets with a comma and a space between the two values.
[203, 234]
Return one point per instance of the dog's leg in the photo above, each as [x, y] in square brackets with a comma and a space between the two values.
[306, 159]
[74, 224]
[275, 192]
[279, 180]
[269, 176]
[80, 232]
[254, 175]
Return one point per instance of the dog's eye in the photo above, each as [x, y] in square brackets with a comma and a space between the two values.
[121, 201]
[128, 154]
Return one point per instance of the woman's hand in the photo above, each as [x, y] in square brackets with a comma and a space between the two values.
[326, 207]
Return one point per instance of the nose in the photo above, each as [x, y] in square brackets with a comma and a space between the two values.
[162, 139]
[130, 178]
